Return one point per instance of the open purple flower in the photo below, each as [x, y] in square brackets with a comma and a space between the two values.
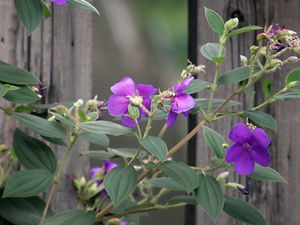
[249, 147]
[181, 102]
[97, 173]
[59, 2]
[125, 93]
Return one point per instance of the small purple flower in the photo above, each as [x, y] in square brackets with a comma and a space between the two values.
[244, 191]
[59, 2]
[108, 166]
[124, 222]
[181, 102]
[98, 173]
[249, 147]
[125, 93]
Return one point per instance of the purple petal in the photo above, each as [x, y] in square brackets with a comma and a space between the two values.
[59, 2]
[260, 156]
[94, 171]
[125, 87]
[239, 133]
[182, 103]
[117, 105]
[186, 114]
[179, 89]
[145, 90]
[234, 152]
[127, 121]
[259, 136]
[244, 164]
[108, 166]
[171, 119]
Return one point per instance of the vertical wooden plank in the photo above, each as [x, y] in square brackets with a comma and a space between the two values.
[60, 53]
[278, 202]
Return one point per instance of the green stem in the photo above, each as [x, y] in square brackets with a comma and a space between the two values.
[214, 87]
[57, 179]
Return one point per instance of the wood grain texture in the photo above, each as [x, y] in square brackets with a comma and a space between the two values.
[59, 53]
[279, 202]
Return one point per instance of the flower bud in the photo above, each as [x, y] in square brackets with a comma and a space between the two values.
[133, 111]
[114, 221]
[293, 59]
[276, 63]
[261, 37]
[234, 185]
[253, 49]
[222, 176]
[92, 190]
[136, 100]
[244, 60]
[3, 147]
[78, 103]
[296, 49]
[231, 23]
[80, 183]
[293, 84]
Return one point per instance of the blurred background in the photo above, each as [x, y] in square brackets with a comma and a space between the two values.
[146, 40]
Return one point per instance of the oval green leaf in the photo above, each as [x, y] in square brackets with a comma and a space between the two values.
[155, 146]
[22, 95]
[215, 21]
[101, 155]
[98, 139]
[244, 30]
[75, 217]
[120, 183]
[164, 182]
[267, 174]
[40, 125]
[215, 141]
[105, 127]
[23, 211]
[243, 211]
[196, 86]
[213, 52]
[262, 119]
[27, 183]
[237, 75]
[182, 174]
[84, 4]
[210, 196]
[14, 75]
[32, 153]
[293, 76]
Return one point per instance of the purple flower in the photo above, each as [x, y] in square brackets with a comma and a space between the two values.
[124, 222]
[181, 102]
[59, 2]
[97, 173]
[249, 147]
[108, 166]
[125, 93]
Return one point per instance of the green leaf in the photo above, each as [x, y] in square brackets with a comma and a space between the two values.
[237, 75]
[155, 146]
[120, 183]
[22, 211]
[63, 119]
[3, 90]
[196, 86]
[101, 155]
[293, 76]
[202, 104]
[22, 95]
[243, 211]
[210, 196]
[56, 141]
[215, 141]
[244, 30]
[75, 217]
[30, 12]
[267, 88]
[262, 119]
[14, 75]
[33, 153]
[267, 174]
[40, 125]
[27, 183]
[288, 96]
[46, 10]
[182, 174]
[84, 4]
[164, 182]
[213, 52]
[215, 21]
[105, 127]
[98, 139]
[124, 152]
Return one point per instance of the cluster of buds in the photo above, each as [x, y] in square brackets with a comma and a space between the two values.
[279, 37]
[87, 189]
[78, 112]
[192, 70]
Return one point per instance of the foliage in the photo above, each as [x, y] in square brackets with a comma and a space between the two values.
[120, 194]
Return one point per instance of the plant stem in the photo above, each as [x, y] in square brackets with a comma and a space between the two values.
[57, 179]
[213, 87]
[163, 131]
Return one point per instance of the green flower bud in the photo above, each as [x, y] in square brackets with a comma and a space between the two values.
[293, 59]
[261, 37]
[78, 103]
[244, 60]
[222, 176]
[136, 100]
[235, 185]
[296, 49]
[232, 23]
[293, 84]
[133, 111]
[253, 49]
